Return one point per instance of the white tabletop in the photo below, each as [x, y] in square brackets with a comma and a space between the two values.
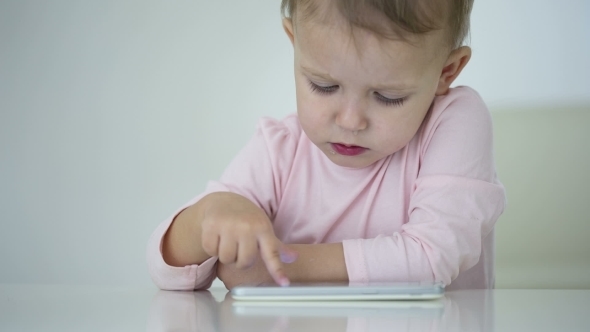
[86, 308]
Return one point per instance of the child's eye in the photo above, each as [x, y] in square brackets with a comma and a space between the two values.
[324, 90]
[388, 101]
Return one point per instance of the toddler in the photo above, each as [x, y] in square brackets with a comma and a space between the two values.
[384, 174]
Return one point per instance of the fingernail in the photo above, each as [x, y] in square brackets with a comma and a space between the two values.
[284, 281]
[288, 257]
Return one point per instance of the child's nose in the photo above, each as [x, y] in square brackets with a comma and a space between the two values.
[351, 117]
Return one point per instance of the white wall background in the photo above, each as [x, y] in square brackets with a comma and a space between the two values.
[114, 113]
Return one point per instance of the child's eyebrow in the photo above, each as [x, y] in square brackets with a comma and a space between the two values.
[400, 87]
[394, 87]
[316, 74]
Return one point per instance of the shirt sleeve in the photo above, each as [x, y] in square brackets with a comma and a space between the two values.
[454, 204]
[256, 174]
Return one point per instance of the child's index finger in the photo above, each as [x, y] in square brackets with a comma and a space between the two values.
[269, 250]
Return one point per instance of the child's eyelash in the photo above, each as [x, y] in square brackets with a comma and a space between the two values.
[388, 101]
[324, 90]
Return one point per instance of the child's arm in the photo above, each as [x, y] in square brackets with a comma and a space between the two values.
[183, 245]
[179, 247]
[315, 263]
[454, 204]
[255, 174]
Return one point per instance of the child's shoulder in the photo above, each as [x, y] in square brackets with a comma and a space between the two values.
[280, 139]
[287, 128]
[459, 100]
[461, 105]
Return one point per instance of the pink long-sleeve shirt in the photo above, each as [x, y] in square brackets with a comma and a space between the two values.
[424, 213]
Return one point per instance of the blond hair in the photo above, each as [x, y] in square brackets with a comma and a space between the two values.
[407, 17]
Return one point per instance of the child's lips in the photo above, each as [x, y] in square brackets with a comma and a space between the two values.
[347, 150]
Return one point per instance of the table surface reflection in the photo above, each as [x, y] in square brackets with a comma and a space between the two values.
[87, 308]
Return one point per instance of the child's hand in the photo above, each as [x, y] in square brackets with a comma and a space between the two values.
[234, 229]
[255, 275]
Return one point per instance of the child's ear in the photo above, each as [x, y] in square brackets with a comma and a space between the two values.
[288, 27]
[452, 68]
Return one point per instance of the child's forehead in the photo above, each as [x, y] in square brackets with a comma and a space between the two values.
[334, 56]
[329, 38]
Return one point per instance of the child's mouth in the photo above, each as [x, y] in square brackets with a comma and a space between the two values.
[347, 150]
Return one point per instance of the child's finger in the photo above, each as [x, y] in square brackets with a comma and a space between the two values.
[210, 244]
[269, 250]
[228, 250]
[247, 252]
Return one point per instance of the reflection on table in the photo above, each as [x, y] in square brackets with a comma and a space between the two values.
[200, 311]
[91, 308]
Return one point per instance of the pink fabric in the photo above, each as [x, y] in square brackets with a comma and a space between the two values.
[427, 212]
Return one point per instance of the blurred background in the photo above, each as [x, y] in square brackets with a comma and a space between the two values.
[115, 113]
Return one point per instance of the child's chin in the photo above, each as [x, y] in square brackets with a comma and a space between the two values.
[356, 162]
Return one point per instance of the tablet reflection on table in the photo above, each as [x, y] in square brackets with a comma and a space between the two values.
[347, 315]
[200, 311]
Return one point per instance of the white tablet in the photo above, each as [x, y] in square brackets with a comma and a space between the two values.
[340, 292]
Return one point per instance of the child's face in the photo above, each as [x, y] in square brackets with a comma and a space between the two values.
[367, 93]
